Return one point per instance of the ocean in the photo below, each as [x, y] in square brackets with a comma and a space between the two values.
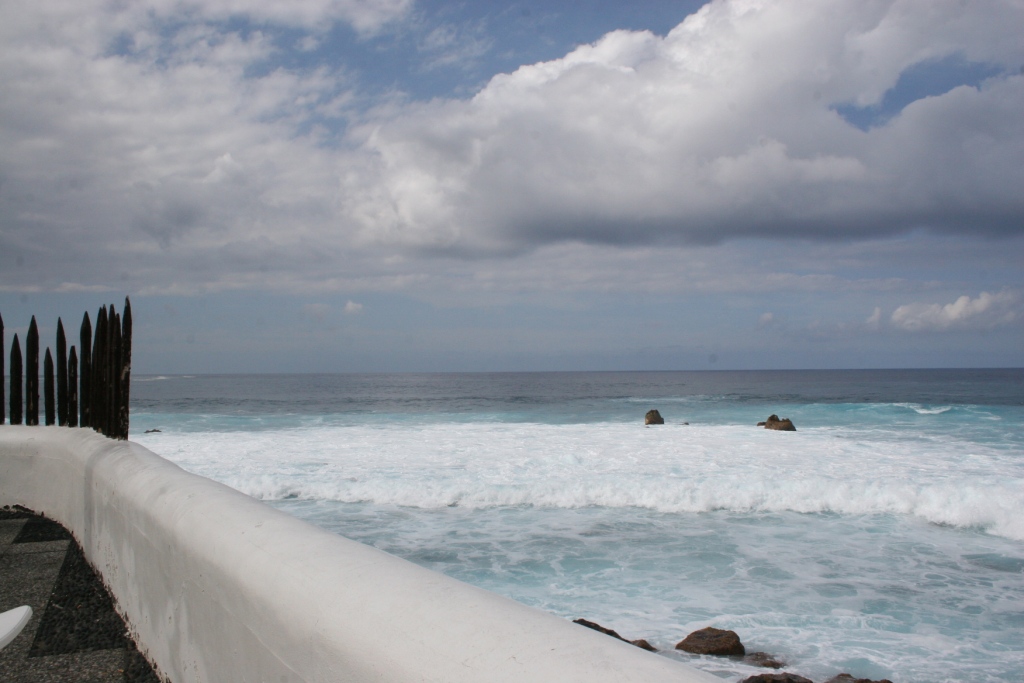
[883, 538]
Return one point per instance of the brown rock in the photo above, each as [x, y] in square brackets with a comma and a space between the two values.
[776, 678]
[763, 659]
[712, 641]
[644, 645]
[847, 678]
[609, 632]
[653, 417]
[782, 425]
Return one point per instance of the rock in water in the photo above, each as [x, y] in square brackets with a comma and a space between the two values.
[773, 422]
[653, 417]
[641, 643]
[763, 659]
[712, 641]
[598, 627]
[776, 678]
[847, 678]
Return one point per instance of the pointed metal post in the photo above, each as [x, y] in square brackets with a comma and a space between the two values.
[62, 375]
[85, 372]
[99, 374]
[49, 407]
[16, 385]
[126, 370]
[114, 388]
[32, 374]
[72, 388]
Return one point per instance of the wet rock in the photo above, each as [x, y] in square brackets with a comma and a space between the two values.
[782, 425]
[776, 678]
[151, 431]
[641, 643]
[763, 659]
[598, 627]
[712, 641]
[847, 678]
[653, 417]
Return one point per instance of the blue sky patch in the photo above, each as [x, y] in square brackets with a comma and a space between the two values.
[924, 79]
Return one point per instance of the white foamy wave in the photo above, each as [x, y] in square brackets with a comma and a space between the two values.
[672, 469]
[925, 410]
[997, 509]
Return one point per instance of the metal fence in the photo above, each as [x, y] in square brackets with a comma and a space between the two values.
[86, 387]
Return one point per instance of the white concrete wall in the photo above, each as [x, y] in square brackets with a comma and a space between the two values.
[219, 587]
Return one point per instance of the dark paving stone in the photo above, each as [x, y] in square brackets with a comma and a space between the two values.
[40, 547]
[75, 634]
[15, 512]
[39, 530]
[9, 529]
[80, 614]
[102, 666]
[136, 668]
[27, 579]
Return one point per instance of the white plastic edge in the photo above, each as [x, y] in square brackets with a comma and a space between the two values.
[11, 623]
[218, 587]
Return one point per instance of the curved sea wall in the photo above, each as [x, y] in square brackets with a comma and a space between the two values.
[217, 586]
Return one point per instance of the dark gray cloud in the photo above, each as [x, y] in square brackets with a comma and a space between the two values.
[727, 127]
[178, 167]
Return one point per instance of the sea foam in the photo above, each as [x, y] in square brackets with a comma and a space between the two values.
[670, 469]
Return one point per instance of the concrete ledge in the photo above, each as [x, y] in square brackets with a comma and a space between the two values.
[219, 587]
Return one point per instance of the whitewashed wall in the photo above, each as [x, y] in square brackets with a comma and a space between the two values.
[218, 587]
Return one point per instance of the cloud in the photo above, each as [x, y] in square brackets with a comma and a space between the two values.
[317, 312]
[451, 45]
[874, 321]
[366, 16]
[725, 127]
[986, 311]
[159, 141]
[351, 308]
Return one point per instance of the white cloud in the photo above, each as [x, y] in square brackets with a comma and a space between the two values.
[988, 310]
[451, 45]
[190, 162]
[874, 321]
[724, 127]
[308, 43]
[766, 319]
[351, 307]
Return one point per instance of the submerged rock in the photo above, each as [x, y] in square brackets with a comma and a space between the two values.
[598, 627]
[782, 425]
[763, 659]
[653, 417]
[776, 678]
[641, 643]
[712, 641]
[847, 678]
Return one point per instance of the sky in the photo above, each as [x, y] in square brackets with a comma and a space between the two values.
[427, 185]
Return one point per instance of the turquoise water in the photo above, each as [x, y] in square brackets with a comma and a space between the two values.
[884, 538]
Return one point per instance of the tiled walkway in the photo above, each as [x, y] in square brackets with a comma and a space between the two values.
[74, 634]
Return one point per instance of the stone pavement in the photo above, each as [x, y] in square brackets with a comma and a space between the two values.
[74, 634]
